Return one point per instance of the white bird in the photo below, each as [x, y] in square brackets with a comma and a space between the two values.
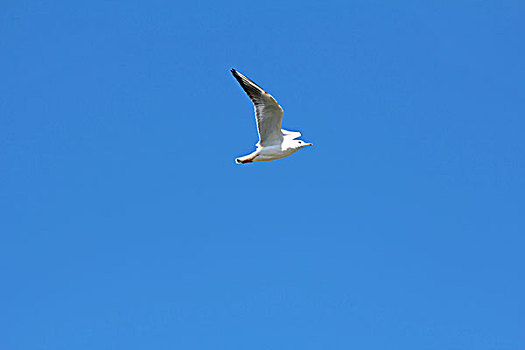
[274, 142]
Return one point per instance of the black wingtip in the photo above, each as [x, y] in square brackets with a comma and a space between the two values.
[233, 70]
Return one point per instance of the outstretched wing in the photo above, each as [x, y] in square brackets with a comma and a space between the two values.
[291, 134]
[268, 113]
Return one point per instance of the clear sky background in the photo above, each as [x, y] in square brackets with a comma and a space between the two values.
[126, 224]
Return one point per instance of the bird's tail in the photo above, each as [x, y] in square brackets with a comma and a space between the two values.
[245, 159]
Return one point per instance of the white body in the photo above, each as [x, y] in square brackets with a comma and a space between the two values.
[272, 152]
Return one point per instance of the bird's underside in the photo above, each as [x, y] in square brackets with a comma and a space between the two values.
[264, 154]
[274, 142]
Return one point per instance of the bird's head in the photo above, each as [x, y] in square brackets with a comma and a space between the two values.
[301, 144]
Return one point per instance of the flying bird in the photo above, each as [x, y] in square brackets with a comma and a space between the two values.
[274, 142]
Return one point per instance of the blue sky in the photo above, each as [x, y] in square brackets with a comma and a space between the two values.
[126, 224]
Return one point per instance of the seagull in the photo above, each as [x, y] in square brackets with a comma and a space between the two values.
[274, 142]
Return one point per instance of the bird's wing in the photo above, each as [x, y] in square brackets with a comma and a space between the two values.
[291, 134]
[268, 113]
